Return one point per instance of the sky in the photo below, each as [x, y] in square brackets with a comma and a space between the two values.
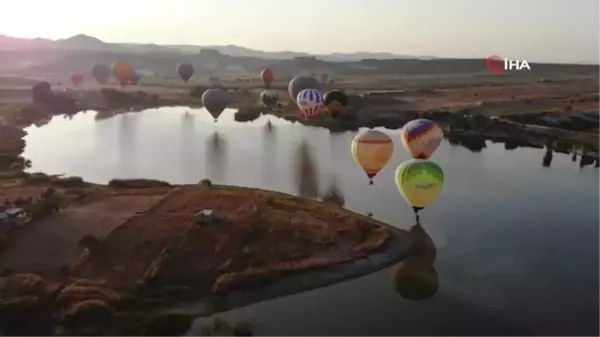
[531, 30]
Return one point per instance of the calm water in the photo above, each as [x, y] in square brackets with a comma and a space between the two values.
[517, 242]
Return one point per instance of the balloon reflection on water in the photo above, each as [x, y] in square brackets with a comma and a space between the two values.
[415, 278]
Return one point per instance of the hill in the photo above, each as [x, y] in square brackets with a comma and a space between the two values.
[59, 59]
[85, 42]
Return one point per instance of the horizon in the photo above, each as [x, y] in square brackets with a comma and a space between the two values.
[513, 29]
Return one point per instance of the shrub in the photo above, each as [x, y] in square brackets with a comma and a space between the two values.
[205, 182]
[68, 182]
[137, 183]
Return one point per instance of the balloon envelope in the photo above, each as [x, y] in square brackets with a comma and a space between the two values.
[135, 78]
[300, 83]
[372, 150]
[77, 79]
[335, 101]
[123, 72]
[101, 73]
[267, 76]
[269, 98]
[419, 181]
[421, 137]
[186, 71]
[215, 101]
[310, 102]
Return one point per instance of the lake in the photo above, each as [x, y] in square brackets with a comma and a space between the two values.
[517, 241]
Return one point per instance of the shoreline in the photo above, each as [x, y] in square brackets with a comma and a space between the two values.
[463, 128]
[393, 252]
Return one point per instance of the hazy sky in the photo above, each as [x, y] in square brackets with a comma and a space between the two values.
[534, 30]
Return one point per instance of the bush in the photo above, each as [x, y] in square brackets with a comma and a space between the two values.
[137, 183]
[37, 178]
[41, 92]
[205, 182]
[68, 182]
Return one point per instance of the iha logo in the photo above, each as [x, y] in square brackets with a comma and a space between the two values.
[495, 63]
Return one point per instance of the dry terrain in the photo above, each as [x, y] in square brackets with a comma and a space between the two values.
[260, 231]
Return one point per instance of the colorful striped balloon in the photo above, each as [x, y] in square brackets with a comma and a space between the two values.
[421, 137]
[310, 102]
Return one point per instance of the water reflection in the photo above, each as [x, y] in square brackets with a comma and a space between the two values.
[269, 155]
[216, 158]
[548, 155]
[188, 147]
[415, 278]
[334, 193]
[476, 144]
[307, 182]
[127, 144]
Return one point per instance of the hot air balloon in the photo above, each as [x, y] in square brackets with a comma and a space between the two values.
[269, 98]
[335, 101]
[267, 76]
[215, 101]
[135, 78]
[372, 150]
[419, 181]
[123, 72]
[101, 73]
[186, 71]
[77, 79]
[300, 83]
[310, 102]
[421, 137]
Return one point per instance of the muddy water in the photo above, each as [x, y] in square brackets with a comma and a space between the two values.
[516, 233]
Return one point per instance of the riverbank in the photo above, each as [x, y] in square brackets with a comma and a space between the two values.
[149, 252]
[136, 270]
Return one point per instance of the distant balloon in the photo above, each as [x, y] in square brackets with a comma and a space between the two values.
[419, 181]
[335, 101]
[77, 79]
[135, 78]
[267, 76]
[215, 101]
[269, 98]
[186, 71]
[421, 137]
[101, 73]
[123, 72]
[372, 150]
[310, 102]
[300, 83]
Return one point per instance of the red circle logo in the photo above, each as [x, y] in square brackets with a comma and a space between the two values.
[494, 63]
